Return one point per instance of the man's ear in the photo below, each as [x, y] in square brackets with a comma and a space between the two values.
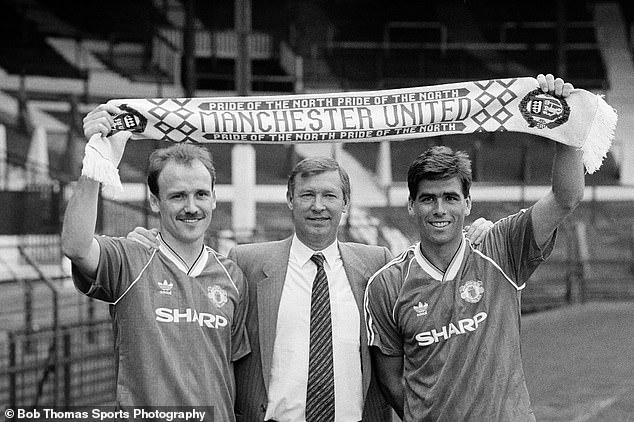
[468, 205]
[289, 200]
[410, 207]
[154, 203]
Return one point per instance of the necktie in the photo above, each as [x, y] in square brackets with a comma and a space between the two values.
[320, 395]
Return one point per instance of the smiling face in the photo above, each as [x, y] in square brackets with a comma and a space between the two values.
[317, 203]
[440, 208]
[185, 202]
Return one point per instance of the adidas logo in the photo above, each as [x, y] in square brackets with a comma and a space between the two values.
[166, 287]
[421, 309]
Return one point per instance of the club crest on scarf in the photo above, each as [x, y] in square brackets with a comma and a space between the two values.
[130, 120]
[543, 110]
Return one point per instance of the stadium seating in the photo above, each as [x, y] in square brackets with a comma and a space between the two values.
[23, 49]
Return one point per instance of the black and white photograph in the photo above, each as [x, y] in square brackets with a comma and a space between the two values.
[316, 211]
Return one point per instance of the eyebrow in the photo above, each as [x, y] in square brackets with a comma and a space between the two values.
[196, 190]
[456, 193]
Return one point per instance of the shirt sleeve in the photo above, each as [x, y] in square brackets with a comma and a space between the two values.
[380, 299]
[511, 242]
[240, 345]
[115, 270]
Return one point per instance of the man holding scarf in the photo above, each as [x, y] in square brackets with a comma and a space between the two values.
[443, 318]
[178, 311]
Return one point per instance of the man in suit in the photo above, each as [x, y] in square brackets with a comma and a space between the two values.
[273, 378]
[272, 382]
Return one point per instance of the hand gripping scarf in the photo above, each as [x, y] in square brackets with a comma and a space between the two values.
[582, 120]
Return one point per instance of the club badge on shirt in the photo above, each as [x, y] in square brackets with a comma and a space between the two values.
[217, 295]
[472, 291]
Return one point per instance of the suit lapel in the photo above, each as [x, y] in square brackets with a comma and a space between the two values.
[358, 275]
[269, 293]
[356, 271]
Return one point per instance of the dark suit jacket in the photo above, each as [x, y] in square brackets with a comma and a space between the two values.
[264, 265]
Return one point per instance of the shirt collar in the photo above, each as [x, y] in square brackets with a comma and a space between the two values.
[301, 253]
[452, 269]
[171, 254]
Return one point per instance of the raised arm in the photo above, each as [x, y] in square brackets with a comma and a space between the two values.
[568, 181]
[78, 243]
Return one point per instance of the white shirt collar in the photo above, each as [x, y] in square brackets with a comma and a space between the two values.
[301, 253]
[195, 269]
[452, 269]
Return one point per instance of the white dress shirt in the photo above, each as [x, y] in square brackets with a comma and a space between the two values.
[289, 369]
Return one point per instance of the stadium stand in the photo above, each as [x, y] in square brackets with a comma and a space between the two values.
[451, 41]
[23, 49]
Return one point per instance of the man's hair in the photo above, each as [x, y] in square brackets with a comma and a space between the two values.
[439, 163]
[181, 153]
[318, 165]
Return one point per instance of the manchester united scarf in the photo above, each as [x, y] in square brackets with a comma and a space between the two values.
[583, 120]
